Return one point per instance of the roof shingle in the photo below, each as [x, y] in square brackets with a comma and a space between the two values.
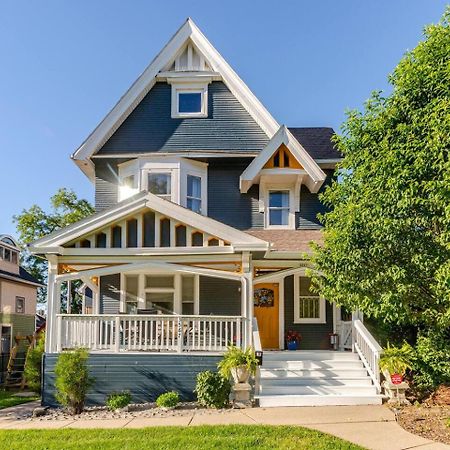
[317, 142]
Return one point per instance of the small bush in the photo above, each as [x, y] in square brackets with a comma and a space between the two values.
[33, 365]
[212, 389]
[118, 400]
[72, 379]
[168, 400]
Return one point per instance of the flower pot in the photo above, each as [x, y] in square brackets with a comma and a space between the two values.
[292, 345]
[396, 378]
[240, 374]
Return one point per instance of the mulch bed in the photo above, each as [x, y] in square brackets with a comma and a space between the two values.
[430, 419]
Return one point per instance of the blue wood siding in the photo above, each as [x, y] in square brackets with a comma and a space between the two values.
[315, 336]
[110, 294]
[150, 128]
[311, 206]
[220, 297]
[146, 376]
[106, 184]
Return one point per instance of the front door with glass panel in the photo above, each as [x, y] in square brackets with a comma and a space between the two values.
[266, 313]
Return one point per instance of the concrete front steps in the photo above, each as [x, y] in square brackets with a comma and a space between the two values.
[314, 378]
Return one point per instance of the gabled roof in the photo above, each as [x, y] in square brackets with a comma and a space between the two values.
[315, 175]
[22, 277]
[237, 239]
[317, 141]
[188, 32]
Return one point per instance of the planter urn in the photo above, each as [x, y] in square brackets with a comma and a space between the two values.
[292, 345]
[240, 374]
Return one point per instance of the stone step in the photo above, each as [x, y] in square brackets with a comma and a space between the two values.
[268, 401]
[329, 364]
[350, 390]
[316, 381]
[316, 373]
[317, 355]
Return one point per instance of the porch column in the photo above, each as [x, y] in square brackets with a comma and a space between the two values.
[248, 312]
[51, 302]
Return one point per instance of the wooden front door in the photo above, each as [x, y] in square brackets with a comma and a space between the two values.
[266, 313]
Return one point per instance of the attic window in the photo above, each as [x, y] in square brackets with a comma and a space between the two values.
[189, 101]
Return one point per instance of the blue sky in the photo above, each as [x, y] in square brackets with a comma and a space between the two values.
[64, 64]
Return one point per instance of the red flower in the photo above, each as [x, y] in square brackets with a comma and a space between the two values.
[293, 336]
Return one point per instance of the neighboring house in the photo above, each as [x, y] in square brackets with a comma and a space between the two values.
[206, 208]
[18, 292]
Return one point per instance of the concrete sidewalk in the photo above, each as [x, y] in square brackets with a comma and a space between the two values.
[373, 427]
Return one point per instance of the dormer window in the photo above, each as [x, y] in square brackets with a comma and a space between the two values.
[160, 184]
[194, 193]
[189, 100]
[278, 208]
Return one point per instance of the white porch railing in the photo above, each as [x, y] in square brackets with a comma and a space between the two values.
[172, 333]
[368, 350]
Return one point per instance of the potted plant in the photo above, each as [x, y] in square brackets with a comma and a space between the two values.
[238, 363]
[395, 361]
[293, 339]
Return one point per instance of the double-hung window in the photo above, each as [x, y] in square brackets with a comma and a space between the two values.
[194, 193]
[278, 208]
[309, 307]
[160, 184]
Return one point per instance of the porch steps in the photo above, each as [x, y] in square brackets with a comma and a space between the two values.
[306, 378]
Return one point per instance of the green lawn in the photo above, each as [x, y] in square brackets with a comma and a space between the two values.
[202, 437]
[9, 398]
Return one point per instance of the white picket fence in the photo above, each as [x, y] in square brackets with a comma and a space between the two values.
[172, 333]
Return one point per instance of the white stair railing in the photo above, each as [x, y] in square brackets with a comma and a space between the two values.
[141, 332]
[368, 350]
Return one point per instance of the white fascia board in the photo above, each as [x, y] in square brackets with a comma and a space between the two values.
[283, 136]
[147, 79]
[93, 222]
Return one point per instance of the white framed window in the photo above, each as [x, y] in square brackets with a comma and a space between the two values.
[194, 193]
[160, 184]
[278, 208]
[189, 100]
[309, 307]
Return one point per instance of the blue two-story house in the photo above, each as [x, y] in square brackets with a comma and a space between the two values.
[206, 208]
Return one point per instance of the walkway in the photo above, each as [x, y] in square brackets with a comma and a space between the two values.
[373, 427]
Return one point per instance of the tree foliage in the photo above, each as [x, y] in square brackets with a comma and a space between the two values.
[387, 237]
[35, 223]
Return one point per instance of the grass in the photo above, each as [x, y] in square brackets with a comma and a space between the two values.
[204, 437]
[9, 398]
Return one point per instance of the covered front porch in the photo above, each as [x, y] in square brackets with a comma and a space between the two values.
[151, 307]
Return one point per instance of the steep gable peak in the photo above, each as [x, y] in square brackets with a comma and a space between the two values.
[188, 51]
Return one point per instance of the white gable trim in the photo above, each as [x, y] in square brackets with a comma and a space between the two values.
[238, 239]
[146, 81]
[315, 175]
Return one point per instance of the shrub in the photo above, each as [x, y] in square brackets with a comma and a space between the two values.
[118, 400]
[72, 379]
[235, 357]
[33, 364]
[168, 400]
[212, 389]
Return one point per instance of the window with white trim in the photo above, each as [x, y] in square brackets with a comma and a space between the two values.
[160, 184]
[309, 307]
[278, 208]
[189, 101]
[194, 193]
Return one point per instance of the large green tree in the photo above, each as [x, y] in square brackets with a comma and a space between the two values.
[35, 223]
[387, 237]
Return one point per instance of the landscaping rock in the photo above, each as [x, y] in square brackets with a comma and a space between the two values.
[40, 411]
